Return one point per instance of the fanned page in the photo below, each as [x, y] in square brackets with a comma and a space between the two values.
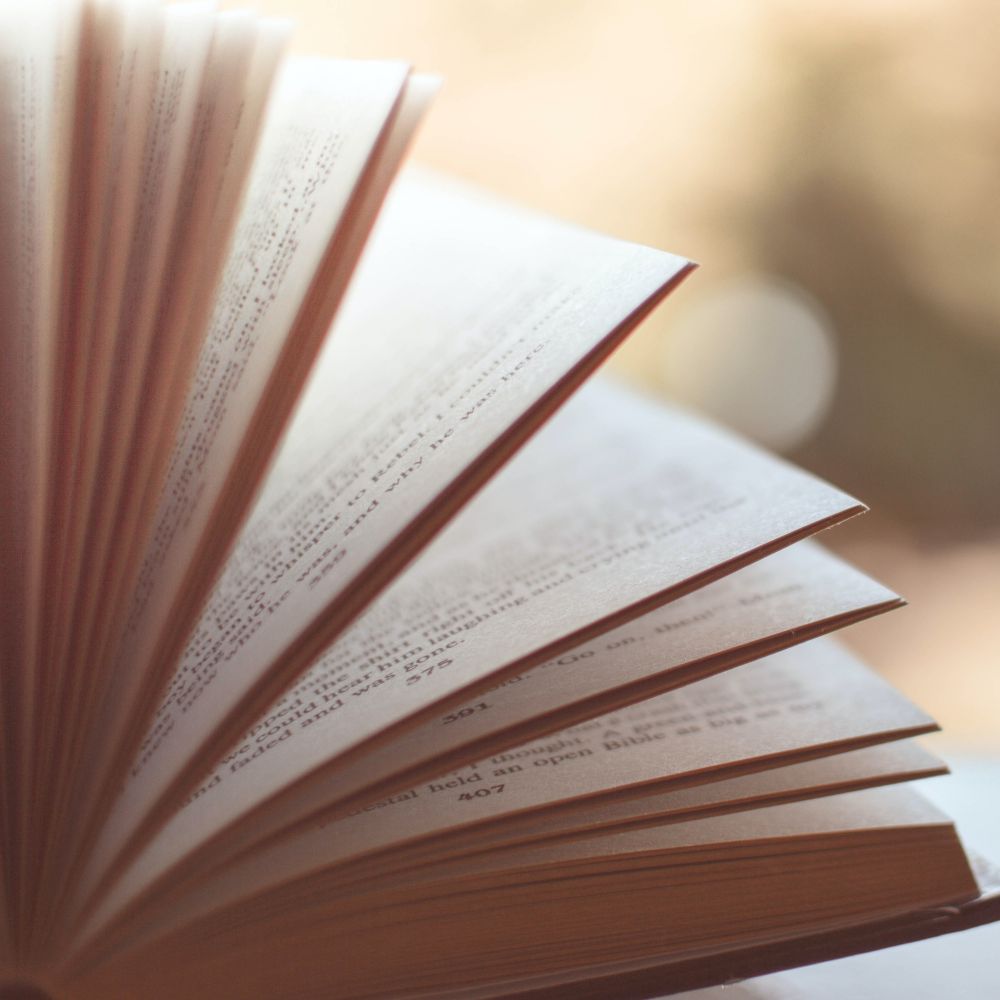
[311, 161]
[811, 701]
[540, 304]
[676, 521]
[793, 705]
[214, 107]
[156, 199]
[333, 137]
[493, 924]
[783, 599]
[37, 94]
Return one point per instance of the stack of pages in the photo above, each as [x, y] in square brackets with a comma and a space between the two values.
[394, 662]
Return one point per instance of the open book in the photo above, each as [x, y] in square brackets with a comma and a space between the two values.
[395, 662]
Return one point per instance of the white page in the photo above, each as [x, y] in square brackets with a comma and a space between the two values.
[786, 593]
[790, 703]
[238, 76]
[617, 500]
[241, 64]
[872, 809]
[536, 301]
[867, 818]
[126, 324]
[813, 696]
[409, 829]
[38, 59]
[647, 804]
[126, 67]
[658, 506]
[325, 119]
[785, 598]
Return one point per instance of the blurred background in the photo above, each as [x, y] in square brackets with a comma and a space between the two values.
[834, 167]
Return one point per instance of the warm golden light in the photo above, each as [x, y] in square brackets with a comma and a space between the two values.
[757, 354]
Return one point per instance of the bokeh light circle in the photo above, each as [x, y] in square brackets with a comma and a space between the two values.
[757, 353]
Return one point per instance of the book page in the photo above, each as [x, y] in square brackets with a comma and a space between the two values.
[240, 66]
[239, 71]
[325, 119]
[873, 808]
[292, 250]
[655, 503]
[779, 594]
[684, 798]
[133, 355]
[676, 891]
[512, 310]
[788, 706]
[421, 826]
[784, 598]
[804, 852]
[168, 115]
[131, 318]
[545, 918]
[38, 60]
[124, 67]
